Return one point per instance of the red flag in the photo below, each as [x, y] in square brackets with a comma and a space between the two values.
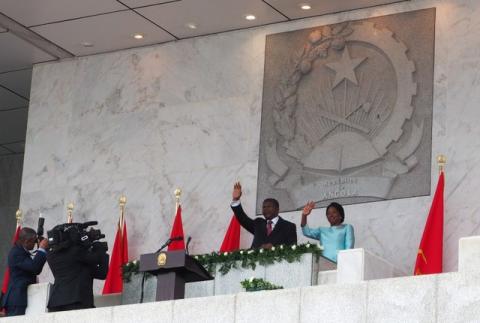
[114, 281]
[6, 275]
[430, 251]
[231, 241]
[177, 231]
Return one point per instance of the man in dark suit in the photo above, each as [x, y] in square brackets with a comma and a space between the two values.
[268, 232]
[23, 270]
[74, 269]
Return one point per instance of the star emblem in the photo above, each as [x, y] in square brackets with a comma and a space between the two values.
[345, 68]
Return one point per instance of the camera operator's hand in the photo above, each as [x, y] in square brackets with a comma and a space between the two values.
[43, 244]
[100, 246]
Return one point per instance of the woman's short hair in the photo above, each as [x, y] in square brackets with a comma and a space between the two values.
[339, 209]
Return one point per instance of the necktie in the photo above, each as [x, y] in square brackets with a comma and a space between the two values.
[269, 227]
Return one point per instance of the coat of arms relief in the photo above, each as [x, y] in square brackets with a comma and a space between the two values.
[347, 116]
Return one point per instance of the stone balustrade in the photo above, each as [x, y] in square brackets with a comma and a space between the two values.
[450, 297]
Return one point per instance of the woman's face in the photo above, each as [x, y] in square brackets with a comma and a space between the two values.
[333, 216]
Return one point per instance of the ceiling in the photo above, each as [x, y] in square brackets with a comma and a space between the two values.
[35, 31]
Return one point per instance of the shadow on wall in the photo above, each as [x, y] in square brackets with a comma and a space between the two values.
[10, 183]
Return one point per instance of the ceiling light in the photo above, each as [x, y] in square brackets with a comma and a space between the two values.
[86, 44]
[191, 25]
[305, 6]
[250, 17]
[138, 36]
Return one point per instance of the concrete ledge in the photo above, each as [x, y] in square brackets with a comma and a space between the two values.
[409, 299]
[356, 265]
[279, 306]
[334, 303]
[38, 295]
[148, 312]
[458, 298]
[97, 315]
[217, 309]
[451, 297]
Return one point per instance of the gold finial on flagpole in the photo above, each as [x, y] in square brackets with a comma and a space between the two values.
[178, 193]
[441, 161]
[122, 202]
[19, 216]
[70, 207]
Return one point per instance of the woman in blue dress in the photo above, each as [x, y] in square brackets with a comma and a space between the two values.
[338, 236]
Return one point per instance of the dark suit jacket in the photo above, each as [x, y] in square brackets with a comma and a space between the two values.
[74, 270]
[23, 272]
[285, 232]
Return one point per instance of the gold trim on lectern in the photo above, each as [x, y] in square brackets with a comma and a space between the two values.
[162, 259]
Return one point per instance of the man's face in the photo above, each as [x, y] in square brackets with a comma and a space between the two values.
[269, 210]
[30, 243]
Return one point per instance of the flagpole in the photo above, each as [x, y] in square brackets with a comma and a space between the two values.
[178, 193]
[18, 216]
[441, 161]
[122, 202]
[70, 207]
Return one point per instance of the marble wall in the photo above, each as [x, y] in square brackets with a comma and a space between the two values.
[186, 114]
[10, 181]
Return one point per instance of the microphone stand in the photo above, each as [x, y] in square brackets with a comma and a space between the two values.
[186, 246]
[166, 244]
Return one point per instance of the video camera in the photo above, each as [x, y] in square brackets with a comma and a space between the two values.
[65, 235]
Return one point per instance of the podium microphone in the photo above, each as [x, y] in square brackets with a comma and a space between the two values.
[168, 242]
[186, 246]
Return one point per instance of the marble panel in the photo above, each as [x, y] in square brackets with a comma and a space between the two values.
[334, 303]
[210, 309]
[405, 299]
[230, 282]
[200, 289]
[136, 122]
[38, 295]
[351, 266]
[280, 306]
[107, 300]
[155, 312]
[458, 297]
[327, 277]
[296, 274]
[469, 254]
[132, 290]
[376, 267]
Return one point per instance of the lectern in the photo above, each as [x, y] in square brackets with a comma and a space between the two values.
[173, 269]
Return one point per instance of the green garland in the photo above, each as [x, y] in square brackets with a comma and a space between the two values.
[250, 258]
[129, 269]
[257, 284]
[245, 258]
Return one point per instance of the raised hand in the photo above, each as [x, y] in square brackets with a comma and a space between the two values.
[308, 208]
[43, 244]
[237, 191]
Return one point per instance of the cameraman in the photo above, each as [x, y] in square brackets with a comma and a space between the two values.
[23, 270]
[74, 267]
